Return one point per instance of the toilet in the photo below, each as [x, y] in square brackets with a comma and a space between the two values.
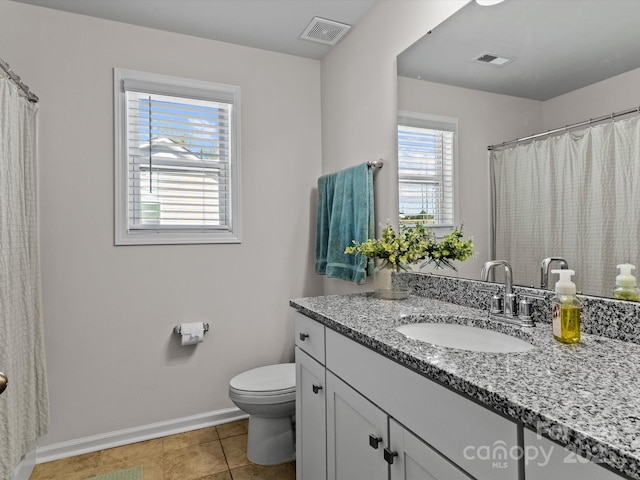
[268, 395]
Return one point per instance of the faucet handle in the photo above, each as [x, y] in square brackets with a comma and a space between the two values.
[524, 309]
[496, 304]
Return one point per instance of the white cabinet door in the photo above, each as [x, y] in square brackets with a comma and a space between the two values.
[545, 460]
[356, 435]
[415, 460]
[311, 426]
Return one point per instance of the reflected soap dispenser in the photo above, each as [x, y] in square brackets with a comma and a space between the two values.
[565, 309]
[626, 284]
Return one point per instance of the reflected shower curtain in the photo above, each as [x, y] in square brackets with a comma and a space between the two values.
[575, 196]
[24, 410]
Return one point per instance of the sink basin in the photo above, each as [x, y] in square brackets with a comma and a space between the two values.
[464, 337]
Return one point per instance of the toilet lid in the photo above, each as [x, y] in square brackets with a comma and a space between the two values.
[278, 379]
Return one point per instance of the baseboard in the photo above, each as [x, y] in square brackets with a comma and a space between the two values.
[25, 467]
[94, 443]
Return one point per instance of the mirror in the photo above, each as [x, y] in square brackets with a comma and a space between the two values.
[514, 70]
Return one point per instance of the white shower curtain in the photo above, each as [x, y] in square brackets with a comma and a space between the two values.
[24, 409]
[575, 196]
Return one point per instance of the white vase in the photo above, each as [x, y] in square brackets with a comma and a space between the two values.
[383, 282]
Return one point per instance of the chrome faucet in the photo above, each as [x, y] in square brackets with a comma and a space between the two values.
[544, 269]
[510, 304]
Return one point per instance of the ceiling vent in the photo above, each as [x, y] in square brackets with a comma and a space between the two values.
[325, 31]
[494, 59]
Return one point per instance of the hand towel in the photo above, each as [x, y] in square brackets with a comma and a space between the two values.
[344, 213]
[323, 219]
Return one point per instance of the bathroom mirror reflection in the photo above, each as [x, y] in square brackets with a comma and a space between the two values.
[516, 69]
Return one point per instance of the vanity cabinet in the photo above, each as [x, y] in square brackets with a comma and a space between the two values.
[360, 415]
[546, 459]
[470, 436]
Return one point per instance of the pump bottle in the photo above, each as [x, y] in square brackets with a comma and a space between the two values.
[565, 309]
[626, 284]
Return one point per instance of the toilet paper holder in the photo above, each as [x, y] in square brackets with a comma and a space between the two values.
[178, 328]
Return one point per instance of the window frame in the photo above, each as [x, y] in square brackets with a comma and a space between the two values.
[434, 122]
[179, 87]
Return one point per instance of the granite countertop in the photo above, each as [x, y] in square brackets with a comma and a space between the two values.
[585, 396]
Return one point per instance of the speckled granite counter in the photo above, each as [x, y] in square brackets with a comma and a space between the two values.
[585, 396]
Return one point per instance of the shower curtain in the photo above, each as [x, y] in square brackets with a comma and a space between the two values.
[574, 196]
[24, 409]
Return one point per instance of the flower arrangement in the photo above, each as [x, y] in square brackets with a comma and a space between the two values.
[411, 244]
[452, 247]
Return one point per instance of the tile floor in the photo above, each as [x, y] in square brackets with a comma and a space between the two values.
[214, 453]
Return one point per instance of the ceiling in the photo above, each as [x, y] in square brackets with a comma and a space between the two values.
[267, 24]
[558, 46]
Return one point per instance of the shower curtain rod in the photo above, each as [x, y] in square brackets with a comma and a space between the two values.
[568, 127]
[32, 97]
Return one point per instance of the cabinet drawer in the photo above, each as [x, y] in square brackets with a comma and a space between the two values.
[309, 336]
[461, 430]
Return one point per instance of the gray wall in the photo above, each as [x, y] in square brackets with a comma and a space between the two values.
[612, 95]
[359, 98]
[109, 312]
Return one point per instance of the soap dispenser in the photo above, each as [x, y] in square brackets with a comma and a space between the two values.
[626, 284]
[565, 309]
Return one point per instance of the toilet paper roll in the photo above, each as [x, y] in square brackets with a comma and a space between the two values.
[191, 333]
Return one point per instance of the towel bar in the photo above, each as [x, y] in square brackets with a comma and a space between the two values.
[178, 329]
[376, 163]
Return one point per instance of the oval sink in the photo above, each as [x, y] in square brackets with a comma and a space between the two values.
[464, 337]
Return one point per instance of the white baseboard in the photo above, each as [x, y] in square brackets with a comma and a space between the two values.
[94, 443]
[25, 467]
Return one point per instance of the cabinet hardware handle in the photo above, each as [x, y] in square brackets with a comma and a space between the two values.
[4, 381]
[316, 388]
[304, 336]
[388, 456]
[374, 441]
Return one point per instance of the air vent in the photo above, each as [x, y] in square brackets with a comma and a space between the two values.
[325, 31]
[493, 59]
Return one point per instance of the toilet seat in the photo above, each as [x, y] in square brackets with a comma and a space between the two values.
[269, 381]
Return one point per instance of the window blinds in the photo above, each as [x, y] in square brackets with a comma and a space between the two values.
[178, 162]
[426, 176]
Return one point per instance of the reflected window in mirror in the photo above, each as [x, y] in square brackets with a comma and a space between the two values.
[426, 170]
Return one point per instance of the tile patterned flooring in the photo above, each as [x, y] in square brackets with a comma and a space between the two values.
[214, 453]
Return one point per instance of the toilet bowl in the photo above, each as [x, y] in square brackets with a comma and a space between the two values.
[268, 395]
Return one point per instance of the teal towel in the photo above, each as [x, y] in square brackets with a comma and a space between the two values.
[345, 213]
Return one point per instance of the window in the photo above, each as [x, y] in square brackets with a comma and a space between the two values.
[177, 160]
[426, 170]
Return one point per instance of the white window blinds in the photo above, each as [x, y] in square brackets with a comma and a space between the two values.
[426, 176]
[179, 164]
